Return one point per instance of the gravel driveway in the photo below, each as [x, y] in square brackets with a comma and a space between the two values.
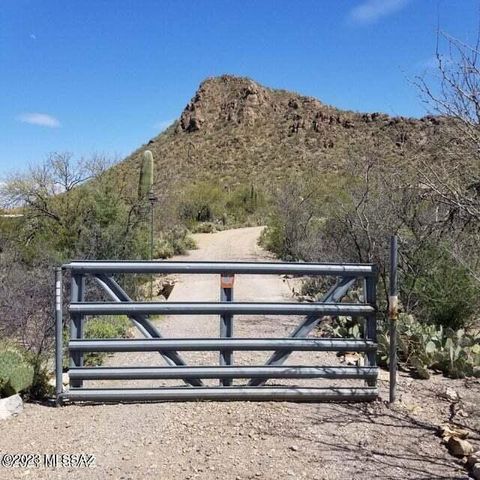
[243, 440]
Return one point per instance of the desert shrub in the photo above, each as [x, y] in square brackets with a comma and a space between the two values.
[273, 238]
[75, 209]
[105, 327]
[201, 203]
[300, 208]
[440, 290]
[189, 243]
[439, 287]
[162, 248]
[176, 241]
[23, 371]
[205, 227]
[111, 326]
[351, 220]
[315, 287]
[211, 203]
[244, 204]
[41, 387]
[312, 286]
[180, 240]
[26, 309]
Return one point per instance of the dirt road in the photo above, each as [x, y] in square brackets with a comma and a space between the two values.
[241, 440]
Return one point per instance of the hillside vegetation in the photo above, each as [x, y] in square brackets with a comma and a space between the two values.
[237, 131]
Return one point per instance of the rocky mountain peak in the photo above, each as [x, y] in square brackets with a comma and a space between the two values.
[225, 99]
[239, 101]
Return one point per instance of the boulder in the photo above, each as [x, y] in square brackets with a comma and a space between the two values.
[9, 406]
[448, 431]
[459, 447]
[473, 459]
[452, 395]
[65, 380]
[475, 472]
[166, 288]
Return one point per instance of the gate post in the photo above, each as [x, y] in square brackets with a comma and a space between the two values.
[77, 294]
[58, 335]
[393, 316]
[370, 332]
[226, 322]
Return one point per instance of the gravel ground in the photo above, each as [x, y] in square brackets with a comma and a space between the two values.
[244, 440]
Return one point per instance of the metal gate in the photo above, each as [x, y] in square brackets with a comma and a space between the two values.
[103, 273]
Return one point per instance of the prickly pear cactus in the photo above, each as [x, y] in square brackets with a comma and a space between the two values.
[21, 379]
[16, 374]
[9, 358]
[146, 175]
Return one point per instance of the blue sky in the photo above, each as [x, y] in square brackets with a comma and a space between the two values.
[106, 76]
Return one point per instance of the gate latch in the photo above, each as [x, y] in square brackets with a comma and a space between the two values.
[226, 280]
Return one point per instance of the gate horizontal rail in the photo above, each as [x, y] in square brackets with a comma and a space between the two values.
[335, 269]
[223, 393]
[211, 308]
[214, 344]
[223, 371]
[102, 272]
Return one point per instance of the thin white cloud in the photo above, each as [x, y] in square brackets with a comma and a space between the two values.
[162, 125]
[369, 11]
[41, 119]
[33, 36]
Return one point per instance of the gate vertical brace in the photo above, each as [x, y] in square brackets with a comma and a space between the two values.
[76, 323]
[370, 332]
[226, 323]
[393, 316]
[58, 335]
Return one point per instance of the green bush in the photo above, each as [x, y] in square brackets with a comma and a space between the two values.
[41, 387]
[272, 239]
[162, 248]
[175, 242]
[201, 203]
[212, 203]
[244, 202]
[205, 227]
[181, 241]
[444, 291]
[105, 327]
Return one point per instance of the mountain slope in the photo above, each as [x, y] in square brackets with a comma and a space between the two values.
[236, 130]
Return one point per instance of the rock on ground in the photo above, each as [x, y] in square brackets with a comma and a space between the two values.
[9, 406]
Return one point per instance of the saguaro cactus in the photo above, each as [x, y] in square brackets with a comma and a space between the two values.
[145, 192]
[146, 175]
